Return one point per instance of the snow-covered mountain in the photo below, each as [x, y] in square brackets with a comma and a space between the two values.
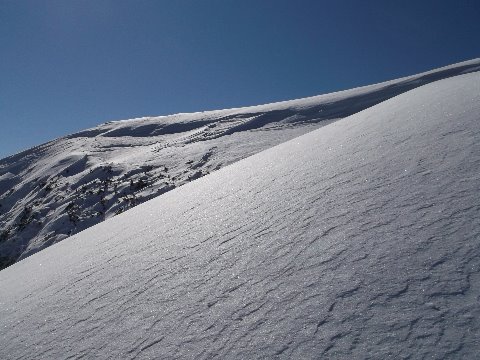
[358, 240]
[59, 188]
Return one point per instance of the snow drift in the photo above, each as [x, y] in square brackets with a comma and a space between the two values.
[357, 240]
[60, 188]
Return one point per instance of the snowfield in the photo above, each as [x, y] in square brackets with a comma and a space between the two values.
[358, 240]
[60, 188]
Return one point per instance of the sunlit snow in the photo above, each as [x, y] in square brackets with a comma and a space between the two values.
[360, 239]
[67, 185]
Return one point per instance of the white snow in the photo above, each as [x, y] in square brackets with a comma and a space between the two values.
[67, 185]
[357, 240]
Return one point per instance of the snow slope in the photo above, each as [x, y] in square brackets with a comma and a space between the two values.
[358, 240]
[57, 189]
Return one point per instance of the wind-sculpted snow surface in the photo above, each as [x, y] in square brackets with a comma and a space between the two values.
[67, 185]
[358, 240]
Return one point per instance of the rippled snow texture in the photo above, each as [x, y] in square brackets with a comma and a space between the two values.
[358, 240]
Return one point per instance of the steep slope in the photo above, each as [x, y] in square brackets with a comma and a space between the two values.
[60, 188]
[357, 240]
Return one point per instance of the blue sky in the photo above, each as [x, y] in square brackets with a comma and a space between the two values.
[69, 65]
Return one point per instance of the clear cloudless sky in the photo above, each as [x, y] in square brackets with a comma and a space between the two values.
[66, 65]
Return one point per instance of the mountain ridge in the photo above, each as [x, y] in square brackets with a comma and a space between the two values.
[62, 187]
[357, 240]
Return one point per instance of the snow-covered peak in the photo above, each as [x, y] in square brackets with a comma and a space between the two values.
[62, 187]
[357, 240]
